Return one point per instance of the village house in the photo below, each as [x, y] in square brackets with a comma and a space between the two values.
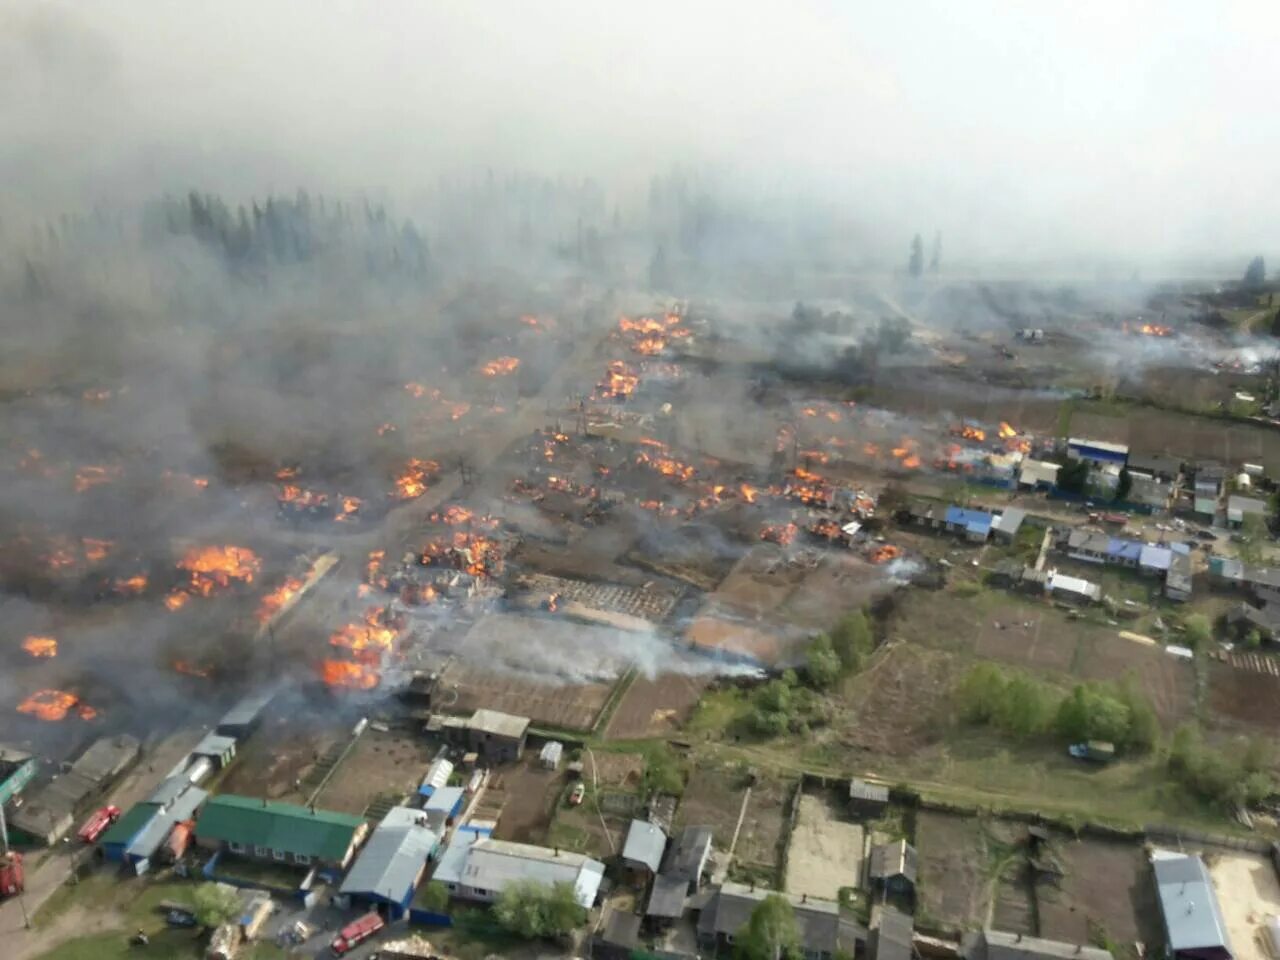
[280, 832]
[998, 945]
[973, 525]
[643, 849]
[681, 876]
[889, 937]
[1193, 923]
[488, 866]
[498, 737]
[391, 864]
[824, 931]
[1038, 475]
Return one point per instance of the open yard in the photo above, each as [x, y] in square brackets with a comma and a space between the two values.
[825, 851]
[713, 798]
[1030, 633]
[954, 889]
[526, 794]
[1106, 888]
[1244, 696]
[655, 707]
[570, 706]
[1248, 894]
[388, 765]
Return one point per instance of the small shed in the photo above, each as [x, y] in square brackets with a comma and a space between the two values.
[1007, 525]
[443, 806]
[866, 799]
[216, 747]
[550, 754]
[893, 867]
[645, 844]
[438, 775]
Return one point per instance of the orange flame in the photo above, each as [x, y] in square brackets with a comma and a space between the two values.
[275, 601]
[345, 674]
[176, 600]
[413, 481]
[884, 553]
[52, 705]
[91, 476]
[619, 382]
[39, 646]
[973, 433]
[350, 506]
[1006, 431]
[366, 640]
[192, 669]
[95, 550]
[779, 533]
[748, 492]
[131, 585]
[1154, 330]
[500, 367]
[217, 566]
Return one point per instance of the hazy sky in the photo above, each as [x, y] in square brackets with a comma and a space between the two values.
[1032, 128]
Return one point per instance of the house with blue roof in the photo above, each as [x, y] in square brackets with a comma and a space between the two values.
[973, 525]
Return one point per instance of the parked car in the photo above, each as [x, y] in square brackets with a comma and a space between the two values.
[576, 794]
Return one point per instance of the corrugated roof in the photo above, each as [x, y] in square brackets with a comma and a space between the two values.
[499, 724]
[1192, 918]
[278, 826]
[214, 745]
[998, 945]
[667, 896]
[390, 863]
[862, 790]
[893, 860]
[246, 709]
[493, 864]
[1039, 471]
[974, 521]
[454, 859]
[891, 932]
[1010, 521]
[106, 757]
[1155, 558]
[821, 927]
[1120, 549]
[129, 825]
[645, 844]
[689, 854]
[169, 790]
[444, 799]
[155, 833]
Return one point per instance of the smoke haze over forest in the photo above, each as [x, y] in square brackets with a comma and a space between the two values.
[1101, 130]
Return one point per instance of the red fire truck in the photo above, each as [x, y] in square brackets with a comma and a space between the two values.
[356, 933]
[11, 875]
[97, 824]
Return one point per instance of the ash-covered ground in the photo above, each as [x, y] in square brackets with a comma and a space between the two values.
[295, 446]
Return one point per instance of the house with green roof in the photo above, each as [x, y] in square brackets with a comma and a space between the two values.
[280, 832]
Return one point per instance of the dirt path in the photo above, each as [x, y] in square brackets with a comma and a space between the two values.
[71, 924]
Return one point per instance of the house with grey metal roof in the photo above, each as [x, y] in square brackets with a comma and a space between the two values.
[180, 807]
[867, 799]
[1193, 923]
[998, 945]
[644, 847]
[492, 865]
[892, 866]
[390, 866]
[1007, 525]
[890, 935]
[498, 737]
[216, 747]
[687, 858]
[245, 715]
[1238, 508]
[824, 930]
